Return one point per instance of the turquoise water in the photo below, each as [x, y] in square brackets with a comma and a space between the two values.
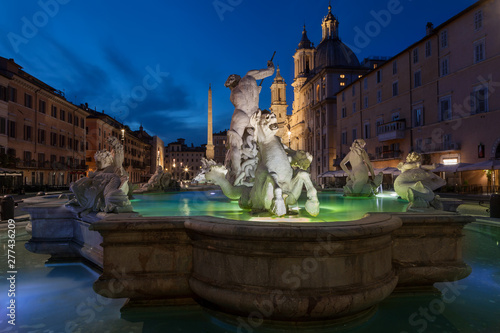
[53, 299]
[333, 207]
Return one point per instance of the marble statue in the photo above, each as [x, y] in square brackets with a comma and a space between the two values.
[274, 175]
[359, 183]
[417, 183]
[245, 98]
[105, 190]
[161, 180]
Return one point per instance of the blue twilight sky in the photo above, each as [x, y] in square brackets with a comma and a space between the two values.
[151, 61]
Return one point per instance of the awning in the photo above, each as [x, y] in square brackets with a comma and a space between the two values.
[337, 173]
[450, 168]
[10, 172]
[486, 165]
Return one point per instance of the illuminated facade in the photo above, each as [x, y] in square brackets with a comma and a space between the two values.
[437, 97]
[320, 72]
[137, 153]
[42, 135]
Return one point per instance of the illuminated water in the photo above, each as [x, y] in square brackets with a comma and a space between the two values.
[334, 207]
[60, 299]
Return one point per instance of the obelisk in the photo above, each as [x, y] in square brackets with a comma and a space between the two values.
[210, 145]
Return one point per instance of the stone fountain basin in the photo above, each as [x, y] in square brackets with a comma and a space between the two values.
[279, 271]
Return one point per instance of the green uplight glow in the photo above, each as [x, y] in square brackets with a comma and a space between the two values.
[333, 207]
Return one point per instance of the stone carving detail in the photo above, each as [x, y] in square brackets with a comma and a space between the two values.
[106, 189]
[417, 183]
[245, 98]
[271, 176]
[359, 183]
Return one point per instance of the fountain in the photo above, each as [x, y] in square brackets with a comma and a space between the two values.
[277, 269]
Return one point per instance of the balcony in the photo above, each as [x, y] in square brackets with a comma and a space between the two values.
[435, 147]
[388, 155]
[391, 131]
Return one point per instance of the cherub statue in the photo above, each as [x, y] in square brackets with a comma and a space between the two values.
[359, 183]
[417, 183]
[106, 189]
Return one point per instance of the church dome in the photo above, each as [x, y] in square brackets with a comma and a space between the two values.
[331, 52]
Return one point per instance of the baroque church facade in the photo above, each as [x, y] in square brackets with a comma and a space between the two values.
[319, 74]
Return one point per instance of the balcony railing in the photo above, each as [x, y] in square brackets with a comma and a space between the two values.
[391, 131]
[438, 147]
[388, 154]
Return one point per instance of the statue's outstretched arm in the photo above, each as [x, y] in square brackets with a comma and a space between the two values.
[260, 74]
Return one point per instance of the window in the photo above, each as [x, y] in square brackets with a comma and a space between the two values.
[366, 102]
[479, 100]
[344, 137]
[415, 55]
[353, 90]
[41, 135]
[365, 83]
[418, 145]
[445, 108]
[379, 76]
[379, 123]
[41, 161]
[417, 79]
[53, 112]
[395, 88]
[418, 119]
[62, 115]
[77, 143]
[28, 100]
[82, 123]
[367, 131]
[343, 96]
[3, 125]
[478, 20]
[354, 134]
[53, 139]
[342, 76]
[342, 84]
[394, 67]
[3, 94]
[479, 51]
[379, 96]
[76, 121]
[62, 141]
[70, 118]
[353, 107]
[343, 113]
[41, 106]
[444, 66]
[27, 133]
[27, 156]
[11, 125]
[428, 49]
[13, 94]
[70, 143]
[444, 39]
[395, 116]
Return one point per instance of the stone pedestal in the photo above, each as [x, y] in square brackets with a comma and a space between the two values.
[293, 271]
[57, 231]
[148, 260]
[428, 248]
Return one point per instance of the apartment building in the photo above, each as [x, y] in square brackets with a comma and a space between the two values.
[438, 97]
[137, 153]
[183, 161]
[42, 135]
